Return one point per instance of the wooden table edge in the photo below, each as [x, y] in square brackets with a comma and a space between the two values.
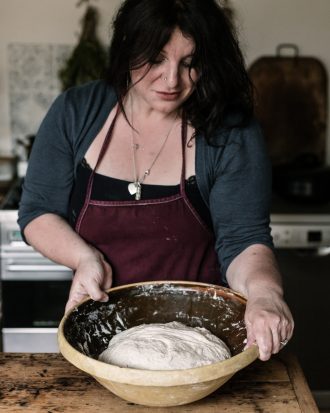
[303, 393]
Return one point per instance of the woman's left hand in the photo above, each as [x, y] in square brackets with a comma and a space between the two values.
[269, 323]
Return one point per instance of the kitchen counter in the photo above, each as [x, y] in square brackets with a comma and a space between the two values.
[39, 382]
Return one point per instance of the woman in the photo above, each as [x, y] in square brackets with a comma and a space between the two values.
[160, 171]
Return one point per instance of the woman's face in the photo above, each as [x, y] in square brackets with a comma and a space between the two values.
[165, 84]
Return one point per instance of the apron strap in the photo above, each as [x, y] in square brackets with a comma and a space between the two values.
[91, 177]
[103, 150]
[183, 143]
[107, 141]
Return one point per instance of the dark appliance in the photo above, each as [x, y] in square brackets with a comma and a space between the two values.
[291, 97]
[302, 240]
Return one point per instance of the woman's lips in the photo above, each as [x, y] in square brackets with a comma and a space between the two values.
[168, 95]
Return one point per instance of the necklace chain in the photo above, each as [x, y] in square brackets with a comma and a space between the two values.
[135, 187]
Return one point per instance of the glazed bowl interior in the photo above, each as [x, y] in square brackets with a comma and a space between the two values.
[86, 331]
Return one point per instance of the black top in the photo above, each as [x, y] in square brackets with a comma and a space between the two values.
[106, 188]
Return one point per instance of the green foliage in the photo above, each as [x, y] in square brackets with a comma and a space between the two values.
[88, 59]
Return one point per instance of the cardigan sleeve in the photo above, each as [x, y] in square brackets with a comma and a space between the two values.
[49, 178]
[65, 134]
[240, 196]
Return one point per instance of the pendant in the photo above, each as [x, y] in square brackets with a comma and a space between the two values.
[132, 188]
[135, 188]
[138, 191]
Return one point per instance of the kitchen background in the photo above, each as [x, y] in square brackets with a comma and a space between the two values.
[37, 35]
[36, 39]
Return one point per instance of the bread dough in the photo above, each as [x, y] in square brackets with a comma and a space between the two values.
[169, 346]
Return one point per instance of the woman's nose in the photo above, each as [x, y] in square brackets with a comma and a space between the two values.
[172, 76]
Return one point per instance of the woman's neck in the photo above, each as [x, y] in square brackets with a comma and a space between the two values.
[138, 109]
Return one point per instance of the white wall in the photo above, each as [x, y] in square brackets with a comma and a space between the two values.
[40, 21]
[263, 24]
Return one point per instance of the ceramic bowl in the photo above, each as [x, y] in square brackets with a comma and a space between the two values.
[85, 332]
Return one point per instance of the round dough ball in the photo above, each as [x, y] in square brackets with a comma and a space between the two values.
[169, 346]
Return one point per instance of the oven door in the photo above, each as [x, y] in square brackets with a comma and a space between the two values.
[34, 293]
[29, 340]
[31, 266]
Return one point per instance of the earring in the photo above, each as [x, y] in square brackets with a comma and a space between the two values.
[165, 78]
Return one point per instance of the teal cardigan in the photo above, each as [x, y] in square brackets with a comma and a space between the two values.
[233, 175]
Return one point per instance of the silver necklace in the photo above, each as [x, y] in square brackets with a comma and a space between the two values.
[134, 188]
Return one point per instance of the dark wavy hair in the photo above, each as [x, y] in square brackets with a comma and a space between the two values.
[142, 28]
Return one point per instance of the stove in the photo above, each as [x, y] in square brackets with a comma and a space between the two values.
[33, 289]
[301, 234]
[300, 225]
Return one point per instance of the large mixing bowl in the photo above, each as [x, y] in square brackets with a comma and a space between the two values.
[85, 332]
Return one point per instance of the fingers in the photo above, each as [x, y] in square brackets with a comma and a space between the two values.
[79, 293]
[268, 341]
[261, 335]
[107, 280]
[269, 329]
[95, 292]
[76, 295]
[74, 300]
[287, 328]
[91, 278]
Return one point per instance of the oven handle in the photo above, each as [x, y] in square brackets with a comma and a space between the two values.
[7, 252]
[37, 273]
[29, 330]
[19, 245]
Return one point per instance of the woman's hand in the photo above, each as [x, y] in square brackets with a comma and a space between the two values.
[255, 274]
[92, 276]
[269, 322]
[54, 238]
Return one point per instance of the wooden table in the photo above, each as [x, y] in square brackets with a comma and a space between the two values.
[48, 383]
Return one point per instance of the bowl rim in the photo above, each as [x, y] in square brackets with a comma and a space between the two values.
[138, 377]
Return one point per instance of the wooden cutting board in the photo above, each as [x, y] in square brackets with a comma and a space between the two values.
[291, 104]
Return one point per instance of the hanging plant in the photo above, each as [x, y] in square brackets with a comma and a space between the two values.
[88, 59]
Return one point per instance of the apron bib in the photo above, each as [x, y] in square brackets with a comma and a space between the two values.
[149, 240]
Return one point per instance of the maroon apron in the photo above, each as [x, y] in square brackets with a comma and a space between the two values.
[147, 240]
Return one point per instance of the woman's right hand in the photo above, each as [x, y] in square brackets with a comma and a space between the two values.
[92, 276]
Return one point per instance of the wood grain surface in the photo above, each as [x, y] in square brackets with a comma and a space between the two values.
[48, 383]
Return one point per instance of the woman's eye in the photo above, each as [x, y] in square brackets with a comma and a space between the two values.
[157, 61]
[186, 64]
